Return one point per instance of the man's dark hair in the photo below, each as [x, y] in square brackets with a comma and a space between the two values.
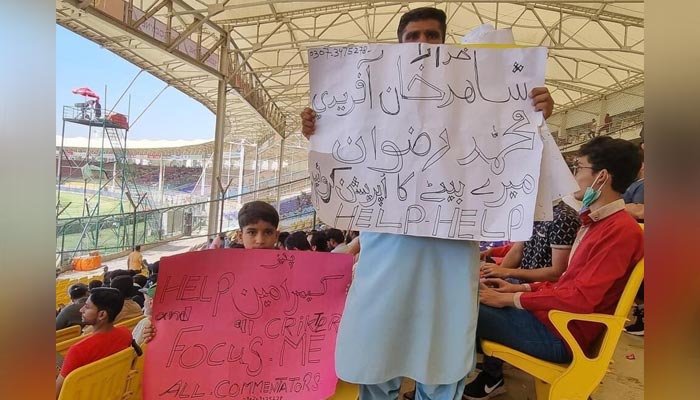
[108, 299]
[620, 157]
[283, 236]
[255, 211]
[350, 235]
[297, 241]
[420, 14]
[335, 234]
[125, 284]
[109, 275]
[137, 247]
[320, 240]
[95, 283]
[77, 291]
[140, 280]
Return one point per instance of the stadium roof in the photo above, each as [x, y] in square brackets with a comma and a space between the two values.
[595, 47]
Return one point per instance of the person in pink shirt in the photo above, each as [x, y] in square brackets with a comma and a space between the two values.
[608, 246]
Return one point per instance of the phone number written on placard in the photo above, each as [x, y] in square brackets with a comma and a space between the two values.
[337, 51]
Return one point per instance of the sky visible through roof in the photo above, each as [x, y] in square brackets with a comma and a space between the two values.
[80, 62]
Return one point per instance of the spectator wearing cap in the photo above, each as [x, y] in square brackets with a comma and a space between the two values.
[150, 293]
[70, 315]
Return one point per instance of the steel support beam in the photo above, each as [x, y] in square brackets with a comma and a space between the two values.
[218, 139]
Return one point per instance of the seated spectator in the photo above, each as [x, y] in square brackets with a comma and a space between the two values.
[150, 293]
[108, 276]
[350, 235]
[70, 315]
[546, 255]
[336, 240]
[319, 242]
[95, 283]
[634, 195]
[139, 283]
[297, 241]
[99, 313]
[280, 240]
[608, 246]
[494, 255]
[153, 268]
[217, 242]
[130, 308]
[634, 204]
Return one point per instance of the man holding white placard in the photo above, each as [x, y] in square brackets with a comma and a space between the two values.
[412, 308]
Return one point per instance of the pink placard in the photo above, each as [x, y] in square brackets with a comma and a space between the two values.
[246, 324]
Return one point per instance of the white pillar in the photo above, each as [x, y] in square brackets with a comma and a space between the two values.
[213, 224]
[279, 172]
[240, 173]
[256, 176]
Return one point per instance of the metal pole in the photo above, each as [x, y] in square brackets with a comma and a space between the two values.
[223, 192]
[228, 170]
[240, 173]
[135, 207]
[60, 167]
[279, 173]
[219, 134]
[256, 176]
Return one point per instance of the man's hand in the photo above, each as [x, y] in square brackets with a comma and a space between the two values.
[542, 101]
[491, 297]
[495, 271]
[501, 286]
[308, 122]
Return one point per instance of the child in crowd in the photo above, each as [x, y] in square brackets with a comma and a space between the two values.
[258, 221]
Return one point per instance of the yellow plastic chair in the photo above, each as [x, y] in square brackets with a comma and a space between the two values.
[104, 379]
[134, 383]
[345, 391]
[578, 379]
[67, 333]
[130, 323]
[63, 346]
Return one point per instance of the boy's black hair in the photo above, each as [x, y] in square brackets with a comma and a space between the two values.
[108, 299]
[255, 211]
[297, 241]
[420, 14]
[619, 157]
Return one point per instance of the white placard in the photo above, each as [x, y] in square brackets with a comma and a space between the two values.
[426, 140]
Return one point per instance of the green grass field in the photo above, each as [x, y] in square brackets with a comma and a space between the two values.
[108, 205]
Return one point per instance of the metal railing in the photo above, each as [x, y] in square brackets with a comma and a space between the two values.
[114, 233]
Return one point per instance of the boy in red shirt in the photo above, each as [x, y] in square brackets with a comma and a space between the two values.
[99, 310]
[607, 247]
